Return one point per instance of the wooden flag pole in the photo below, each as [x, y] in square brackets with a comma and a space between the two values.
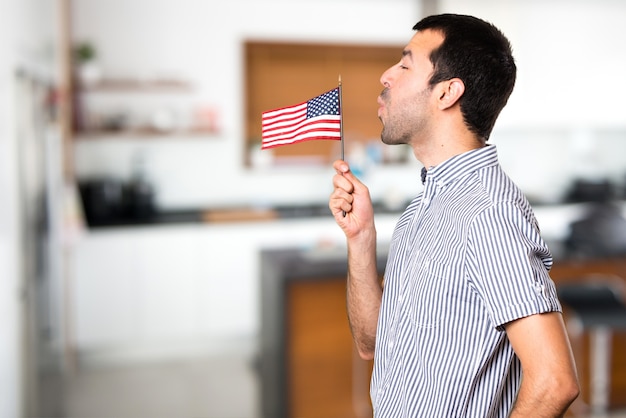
[343, 212]
[341, 118]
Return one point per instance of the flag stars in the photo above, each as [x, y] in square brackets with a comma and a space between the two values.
[325, 104]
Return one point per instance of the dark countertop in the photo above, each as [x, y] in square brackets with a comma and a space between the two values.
[216, 215]
[157, 218]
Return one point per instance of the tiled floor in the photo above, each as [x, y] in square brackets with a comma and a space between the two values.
[217, 387]
[224, 386]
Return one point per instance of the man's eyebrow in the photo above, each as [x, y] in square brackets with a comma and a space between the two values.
[407, 53]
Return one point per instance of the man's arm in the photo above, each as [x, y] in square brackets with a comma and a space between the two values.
[351, 206]
[549, 379]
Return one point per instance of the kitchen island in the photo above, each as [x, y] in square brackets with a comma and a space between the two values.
[308, 364]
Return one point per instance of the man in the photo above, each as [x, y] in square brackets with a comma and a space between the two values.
[468, 323]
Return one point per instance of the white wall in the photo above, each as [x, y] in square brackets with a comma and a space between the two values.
[568, 54]
[10, 345]
[10, 359]
[26, 42]
[565, 118]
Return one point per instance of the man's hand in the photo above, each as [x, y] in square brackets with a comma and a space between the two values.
[350, 202]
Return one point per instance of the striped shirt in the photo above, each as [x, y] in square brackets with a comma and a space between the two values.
[465, 258]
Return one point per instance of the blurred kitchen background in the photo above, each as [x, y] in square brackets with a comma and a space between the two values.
[155, 263]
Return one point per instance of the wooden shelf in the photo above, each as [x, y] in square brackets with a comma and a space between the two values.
[138, 86]
[143, 134]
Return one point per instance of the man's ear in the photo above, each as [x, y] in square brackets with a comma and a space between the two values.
[450, 92]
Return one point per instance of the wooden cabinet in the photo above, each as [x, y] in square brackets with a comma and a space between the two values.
[326, 378]
[309, 366]
[568, 271]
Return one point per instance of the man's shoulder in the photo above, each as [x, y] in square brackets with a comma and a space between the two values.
[500, 187]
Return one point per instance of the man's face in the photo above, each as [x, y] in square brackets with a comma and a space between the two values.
[406, 102]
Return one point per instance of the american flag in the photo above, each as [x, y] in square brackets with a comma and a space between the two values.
[318, 118]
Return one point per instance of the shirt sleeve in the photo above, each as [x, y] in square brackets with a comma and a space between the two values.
[508, 265]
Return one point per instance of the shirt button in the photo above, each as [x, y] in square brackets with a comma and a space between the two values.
[426, 201]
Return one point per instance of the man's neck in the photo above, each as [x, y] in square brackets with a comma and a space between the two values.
[433, 152]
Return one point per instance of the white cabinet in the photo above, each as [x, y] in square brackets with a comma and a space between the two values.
[180, 286]
[133, 287]
[228, 304]
[168, 270]
[103, 291]
[136, 286]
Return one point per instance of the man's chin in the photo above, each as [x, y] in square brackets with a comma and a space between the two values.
[390, 140]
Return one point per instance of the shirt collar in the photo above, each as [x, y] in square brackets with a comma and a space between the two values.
[462, 164]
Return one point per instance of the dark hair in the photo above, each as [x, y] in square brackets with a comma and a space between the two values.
[479, 54]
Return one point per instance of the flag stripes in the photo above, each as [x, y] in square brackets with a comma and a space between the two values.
[316, 119]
